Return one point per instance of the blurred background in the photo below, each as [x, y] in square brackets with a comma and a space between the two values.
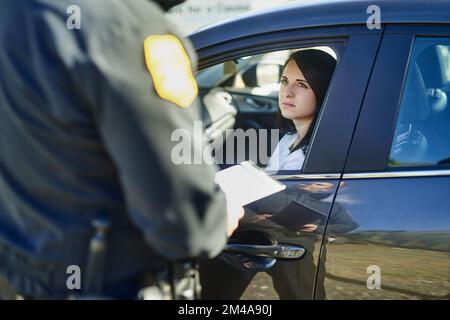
[194, 14]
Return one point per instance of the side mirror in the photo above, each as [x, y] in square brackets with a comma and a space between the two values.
[229, 67]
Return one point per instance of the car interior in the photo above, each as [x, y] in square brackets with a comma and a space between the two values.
[243, 94]
[422, 132]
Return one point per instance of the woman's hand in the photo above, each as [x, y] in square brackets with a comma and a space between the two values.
[262, 217]
[310, 227]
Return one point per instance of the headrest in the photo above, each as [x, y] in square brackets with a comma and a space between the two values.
[438, 100]
[428, 62]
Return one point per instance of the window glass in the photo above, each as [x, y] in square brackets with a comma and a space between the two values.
[422, 135]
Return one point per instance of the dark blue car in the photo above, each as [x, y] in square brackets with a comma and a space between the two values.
[378, 164]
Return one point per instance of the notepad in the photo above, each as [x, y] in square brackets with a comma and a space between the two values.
[246, 183]
[297, 214]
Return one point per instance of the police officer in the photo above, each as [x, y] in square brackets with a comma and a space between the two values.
[90, 94]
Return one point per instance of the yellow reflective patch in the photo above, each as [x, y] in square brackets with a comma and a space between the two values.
[170, 69]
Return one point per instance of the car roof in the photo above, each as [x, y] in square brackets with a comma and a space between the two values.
[314, 13]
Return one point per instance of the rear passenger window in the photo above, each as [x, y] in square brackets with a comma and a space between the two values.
[422, 135]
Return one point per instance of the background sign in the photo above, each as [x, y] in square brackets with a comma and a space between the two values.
[194, 14]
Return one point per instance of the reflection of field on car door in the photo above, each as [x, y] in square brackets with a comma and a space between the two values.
[405, 273]
[260, 288]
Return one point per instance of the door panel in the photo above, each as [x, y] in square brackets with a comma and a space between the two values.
[403, 232]
[397, 179]
[234, 276]
[286, 279]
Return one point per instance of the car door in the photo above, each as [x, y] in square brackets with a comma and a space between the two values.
[266, 261]
[396, 184]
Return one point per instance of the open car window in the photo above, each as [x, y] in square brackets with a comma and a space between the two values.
[240, 101]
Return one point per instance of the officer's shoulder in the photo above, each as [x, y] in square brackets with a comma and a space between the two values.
[122, 14]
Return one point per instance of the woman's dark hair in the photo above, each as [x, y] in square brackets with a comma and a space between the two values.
[317, 66]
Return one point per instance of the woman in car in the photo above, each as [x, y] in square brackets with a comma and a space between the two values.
[303, 85]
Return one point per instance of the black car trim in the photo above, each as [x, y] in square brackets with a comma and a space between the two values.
[376, 124]
[275, 41]
[333, 135]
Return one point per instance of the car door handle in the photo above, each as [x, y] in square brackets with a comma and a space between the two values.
[258, 103]
[252, 103]
[277, 251]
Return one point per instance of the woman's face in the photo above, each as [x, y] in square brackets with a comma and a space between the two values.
[296, 98]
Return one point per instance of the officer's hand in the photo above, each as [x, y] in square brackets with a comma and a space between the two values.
[235, 213]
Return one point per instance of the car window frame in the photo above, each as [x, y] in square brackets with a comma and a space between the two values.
[332, 136]
[375, 130]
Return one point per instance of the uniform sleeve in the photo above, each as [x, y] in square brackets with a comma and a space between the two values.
[178, 207]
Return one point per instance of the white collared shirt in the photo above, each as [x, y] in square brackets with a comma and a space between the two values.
[283, 159]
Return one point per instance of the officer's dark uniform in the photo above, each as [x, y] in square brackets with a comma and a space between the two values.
[84, 135]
